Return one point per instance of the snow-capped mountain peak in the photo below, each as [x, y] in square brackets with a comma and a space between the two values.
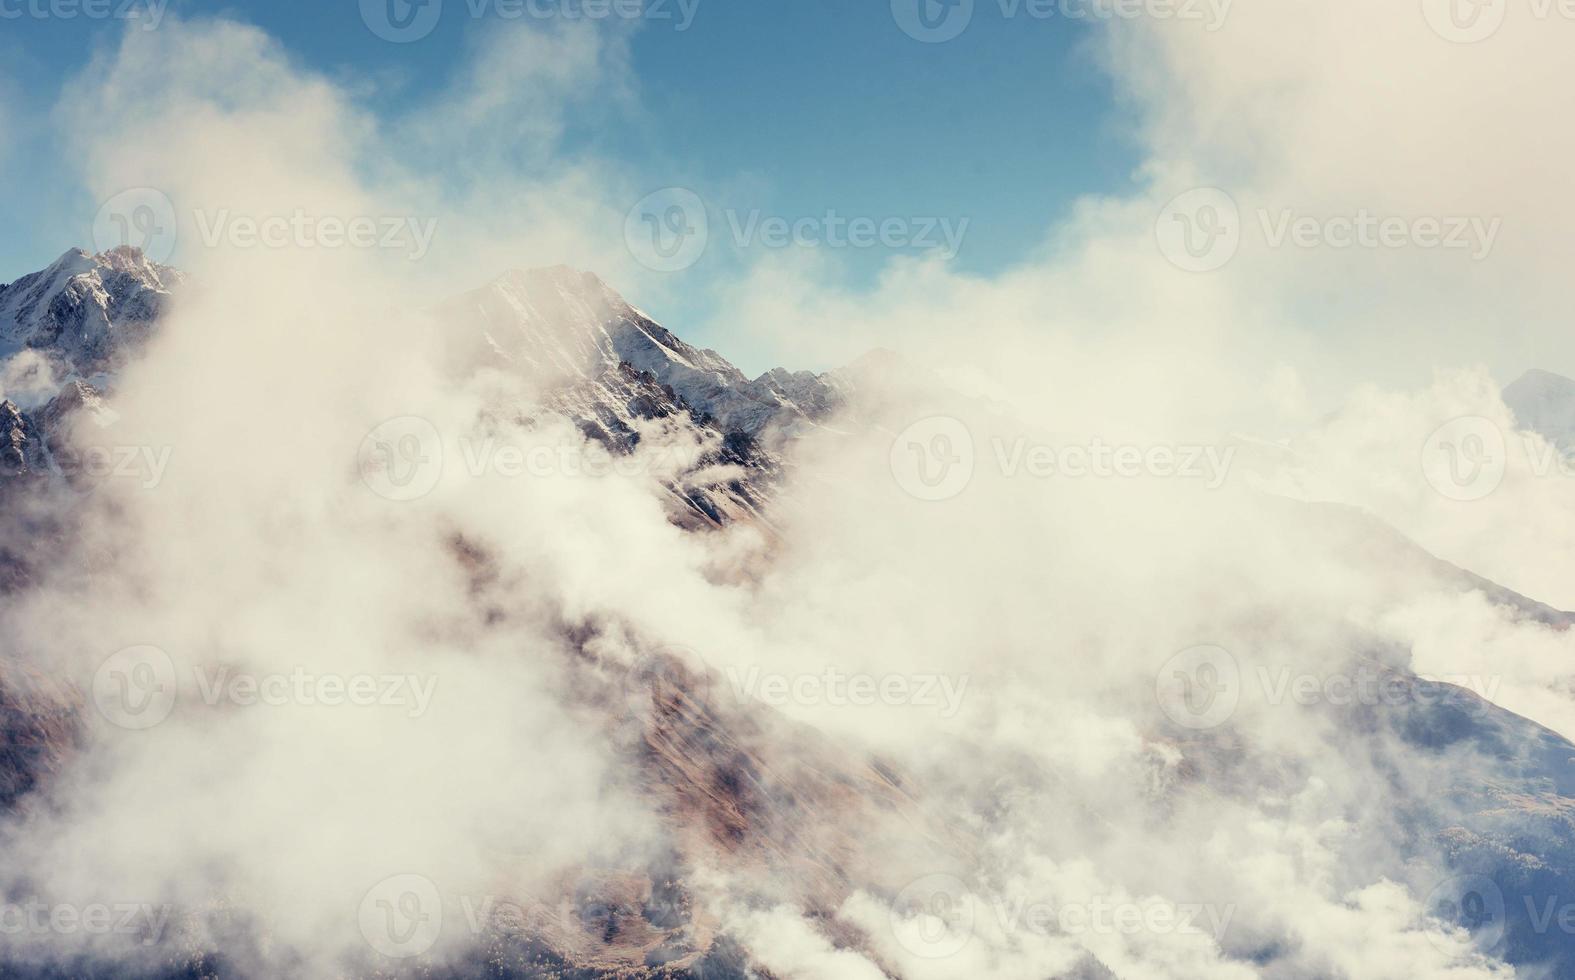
[559, 324]
[86, 313]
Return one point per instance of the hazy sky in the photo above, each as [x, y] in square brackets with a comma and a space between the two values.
[792, 108]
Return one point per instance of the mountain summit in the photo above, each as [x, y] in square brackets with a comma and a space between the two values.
[559, 324]
[86, 313]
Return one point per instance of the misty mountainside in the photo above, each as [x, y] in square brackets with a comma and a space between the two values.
[1477, 792]
[600, 362]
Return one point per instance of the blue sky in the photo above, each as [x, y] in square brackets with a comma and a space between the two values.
[816, 104]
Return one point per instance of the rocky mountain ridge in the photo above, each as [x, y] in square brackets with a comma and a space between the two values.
[597, 359]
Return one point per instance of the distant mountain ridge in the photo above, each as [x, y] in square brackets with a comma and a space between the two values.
[1544, 402]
